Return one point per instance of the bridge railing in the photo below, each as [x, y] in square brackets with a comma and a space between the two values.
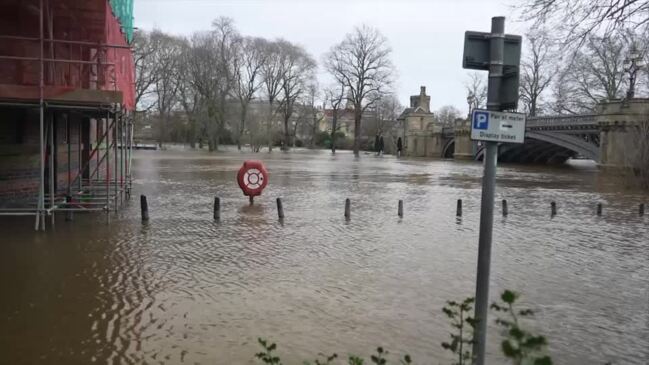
[562, 121]
[550, 121]
[448, 132]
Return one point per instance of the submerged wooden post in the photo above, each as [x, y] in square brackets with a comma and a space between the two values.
[400, 209]
[458, 212]
[144, 207]
[599, 208]
[553, 208]
[505, 210]
[217, 208]
[641, 209]
[68, 214]
[280, 209]
[348, 207]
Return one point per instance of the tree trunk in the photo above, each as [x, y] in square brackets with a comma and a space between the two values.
[314, 132]
[357, 132]
[215, 143]
[334, 126]
[270, 123]
[286, 135]
[294, 135]
[192, 133]
[163, 129]
[242, 126]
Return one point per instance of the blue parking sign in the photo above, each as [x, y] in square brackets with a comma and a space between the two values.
[480, 120]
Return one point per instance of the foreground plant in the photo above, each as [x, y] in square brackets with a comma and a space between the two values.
[267, 356]
[519, 345]
[464, 324]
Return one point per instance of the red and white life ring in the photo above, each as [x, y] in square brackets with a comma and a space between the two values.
[252, 178]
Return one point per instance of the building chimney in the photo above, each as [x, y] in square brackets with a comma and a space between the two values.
[423, 90]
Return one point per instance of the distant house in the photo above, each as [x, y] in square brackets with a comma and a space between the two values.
[345, 122]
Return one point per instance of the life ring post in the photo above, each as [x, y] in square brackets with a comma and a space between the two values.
[252, 179]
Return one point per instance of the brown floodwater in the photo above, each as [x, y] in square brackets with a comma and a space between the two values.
[186, 289]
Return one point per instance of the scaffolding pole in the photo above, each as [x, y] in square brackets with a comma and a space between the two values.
[41, 189]
[114, 133]
[107, 164]
[51, 156]
[79, 145]
[121, 157]
[130, 158]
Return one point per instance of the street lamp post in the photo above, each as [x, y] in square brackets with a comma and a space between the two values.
[632, 64]
[470, 100]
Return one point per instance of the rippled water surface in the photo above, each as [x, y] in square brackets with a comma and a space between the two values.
[186, 289]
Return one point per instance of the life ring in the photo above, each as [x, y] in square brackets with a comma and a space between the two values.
[252, 178]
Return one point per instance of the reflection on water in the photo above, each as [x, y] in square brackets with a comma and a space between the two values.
[186, 289]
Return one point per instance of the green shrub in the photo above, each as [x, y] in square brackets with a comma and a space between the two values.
[519, 345]
[464, 326]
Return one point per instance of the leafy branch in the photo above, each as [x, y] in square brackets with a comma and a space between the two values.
[464, 325]
[519, 345]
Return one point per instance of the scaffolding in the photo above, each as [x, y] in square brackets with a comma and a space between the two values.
[102, 179]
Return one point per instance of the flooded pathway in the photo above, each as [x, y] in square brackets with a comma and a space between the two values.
[186, 289]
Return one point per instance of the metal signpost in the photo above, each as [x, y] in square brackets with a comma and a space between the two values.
[500, 54]
[497, 126]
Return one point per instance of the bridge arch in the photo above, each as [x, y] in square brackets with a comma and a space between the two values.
[449, 148]
[545, 147]
[567, 141]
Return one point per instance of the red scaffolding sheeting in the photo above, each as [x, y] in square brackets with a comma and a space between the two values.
[85, 56]
[122, 58]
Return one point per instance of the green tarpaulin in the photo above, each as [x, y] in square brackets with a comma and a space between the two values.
[123, 10]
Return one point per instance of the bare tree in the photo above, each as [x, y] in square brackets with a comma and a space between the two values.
[248, 67]
[563, 101]
[476, 89]
[311, 114]
[211, 71]
[188, 96]
[203, 79]
[362, 63]
[257, 122]
[536, 71]
[387, 110]
[145, 75]
[335, 96]
[226, 41]
[447, 115]
[595, 74]
[297, 69]
[166, 57]
[577, 20]
[272, 72]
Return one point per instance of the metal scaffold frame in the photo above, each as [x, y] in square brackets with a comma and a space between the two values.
[98, 185]
[102, 183]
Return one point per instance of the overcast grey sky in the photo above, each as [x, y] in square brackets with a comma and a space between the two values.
[426, 36]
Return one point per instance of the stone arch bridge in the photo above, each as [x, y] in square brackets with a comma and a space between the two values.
[604, 137]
